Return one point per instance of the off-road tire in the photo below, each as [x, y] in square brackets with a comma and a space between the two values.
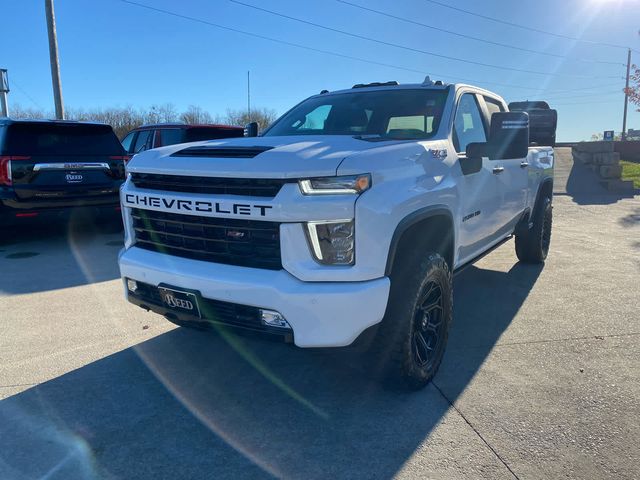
[532, 244]
[395, 352]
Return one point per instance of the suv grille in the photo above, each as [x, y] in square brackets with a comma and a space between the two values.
[247, 243]
[250, 187]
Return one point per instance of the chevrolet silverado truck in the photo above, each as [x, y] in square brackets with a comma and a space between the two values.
[349, 214]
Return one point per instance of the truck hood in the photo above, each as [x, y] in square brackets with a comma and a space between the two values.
[289, 157]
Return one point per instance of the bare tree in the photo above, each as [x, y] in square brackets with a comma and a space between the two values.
[161, 114]
[264, 117]
[196, 115]
[17, 111]
[125, 119]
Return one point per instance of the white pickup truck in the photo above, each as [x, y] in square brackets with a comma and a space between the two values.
[351, 211]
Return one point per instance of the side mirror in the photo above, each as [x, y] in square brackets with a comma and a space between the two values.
[477, 150]
[251, 129]
[509, 136]
[473, 161]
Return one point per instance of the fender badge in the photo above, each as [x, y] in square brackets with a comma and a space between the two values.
[439, 154]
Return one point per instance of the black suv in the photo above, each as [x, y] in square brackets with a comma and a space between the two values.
[50, 167]
[163, 134]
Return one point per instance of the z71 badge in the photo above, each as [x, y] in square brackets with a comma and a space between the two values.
[439, 154]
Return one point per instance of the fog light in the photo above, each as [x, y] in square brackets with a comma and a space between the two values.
[272, 318]
[132, 285]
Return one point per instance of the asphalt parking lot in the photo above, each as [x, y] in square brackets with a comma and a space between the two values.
[540, 379]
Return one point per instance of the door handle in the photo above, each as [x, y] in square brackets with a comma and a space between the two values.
[498, 170]
[524, 164]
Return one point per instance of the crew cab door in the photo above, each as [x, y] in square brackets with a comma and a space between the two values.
[512, 176]
[480, 195]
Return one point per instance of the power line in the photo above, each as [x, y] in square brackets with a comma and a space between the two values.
[24, 92]
[590, 94]
[404, 47]
[270, 39]
[583, 103]
[327, 52]
[606, 85]
[524, 27]
[470, 37]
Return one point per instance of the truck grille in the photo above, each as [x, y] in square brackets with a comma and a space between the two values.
[247, 243]
[250, 187]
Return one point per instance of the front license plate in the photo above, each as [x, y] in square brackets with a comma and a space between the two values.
[184, 302]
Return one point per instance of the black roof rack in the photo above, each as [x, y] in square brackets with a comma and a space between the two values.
[376, 84]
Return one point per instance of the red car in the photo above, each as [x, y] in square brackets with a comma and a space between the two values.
[163, 134]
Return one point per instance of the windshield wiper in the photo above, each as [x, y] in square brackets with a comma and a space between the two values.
[370, 137]
[385, 138]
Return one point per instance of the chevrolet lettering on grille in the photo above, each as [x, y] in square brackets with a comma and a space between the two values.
[202, 206]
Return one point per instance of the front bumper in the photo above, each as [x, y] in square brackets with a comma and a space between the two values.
[321, 314]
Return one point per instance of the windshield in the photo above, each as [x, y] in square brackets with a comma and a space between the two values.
[394, 114]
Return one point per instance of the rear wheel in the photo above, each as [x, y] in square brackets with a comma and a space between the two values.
[532, 244]
[411, 340]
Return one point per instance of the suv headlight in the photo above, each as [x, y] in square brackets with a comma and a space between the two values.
[332, 243]
[349, 184]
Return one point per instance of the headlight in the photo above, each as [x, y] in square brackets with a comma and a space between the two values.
[353, 184]
[332, 243]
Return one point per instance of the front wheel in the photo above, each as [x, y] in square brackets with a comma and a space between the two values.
[412, 337]
[532, 244]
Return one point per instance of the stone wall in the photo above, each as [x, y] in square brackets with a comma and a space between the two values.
[603, 159]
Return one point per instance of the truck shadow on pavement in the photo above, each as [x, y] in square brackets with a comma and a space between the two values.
[190, 404]
[42, 257]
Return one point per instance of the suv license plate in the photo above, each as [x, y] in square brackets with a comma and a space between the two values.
[184, 302]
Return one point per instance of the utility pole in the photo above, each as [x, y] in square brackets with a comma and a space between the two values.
[4, 89]
[249, 94]
[53, 58]
[626, 98]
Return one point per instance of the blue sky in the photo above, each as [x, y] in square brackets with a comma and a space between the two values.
[117, 54]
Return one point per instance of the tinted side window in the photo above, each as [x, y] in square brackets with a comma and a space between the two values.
[468, 127]
[126, 142]
[142, 142]
[169, 136]
[199, 134]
